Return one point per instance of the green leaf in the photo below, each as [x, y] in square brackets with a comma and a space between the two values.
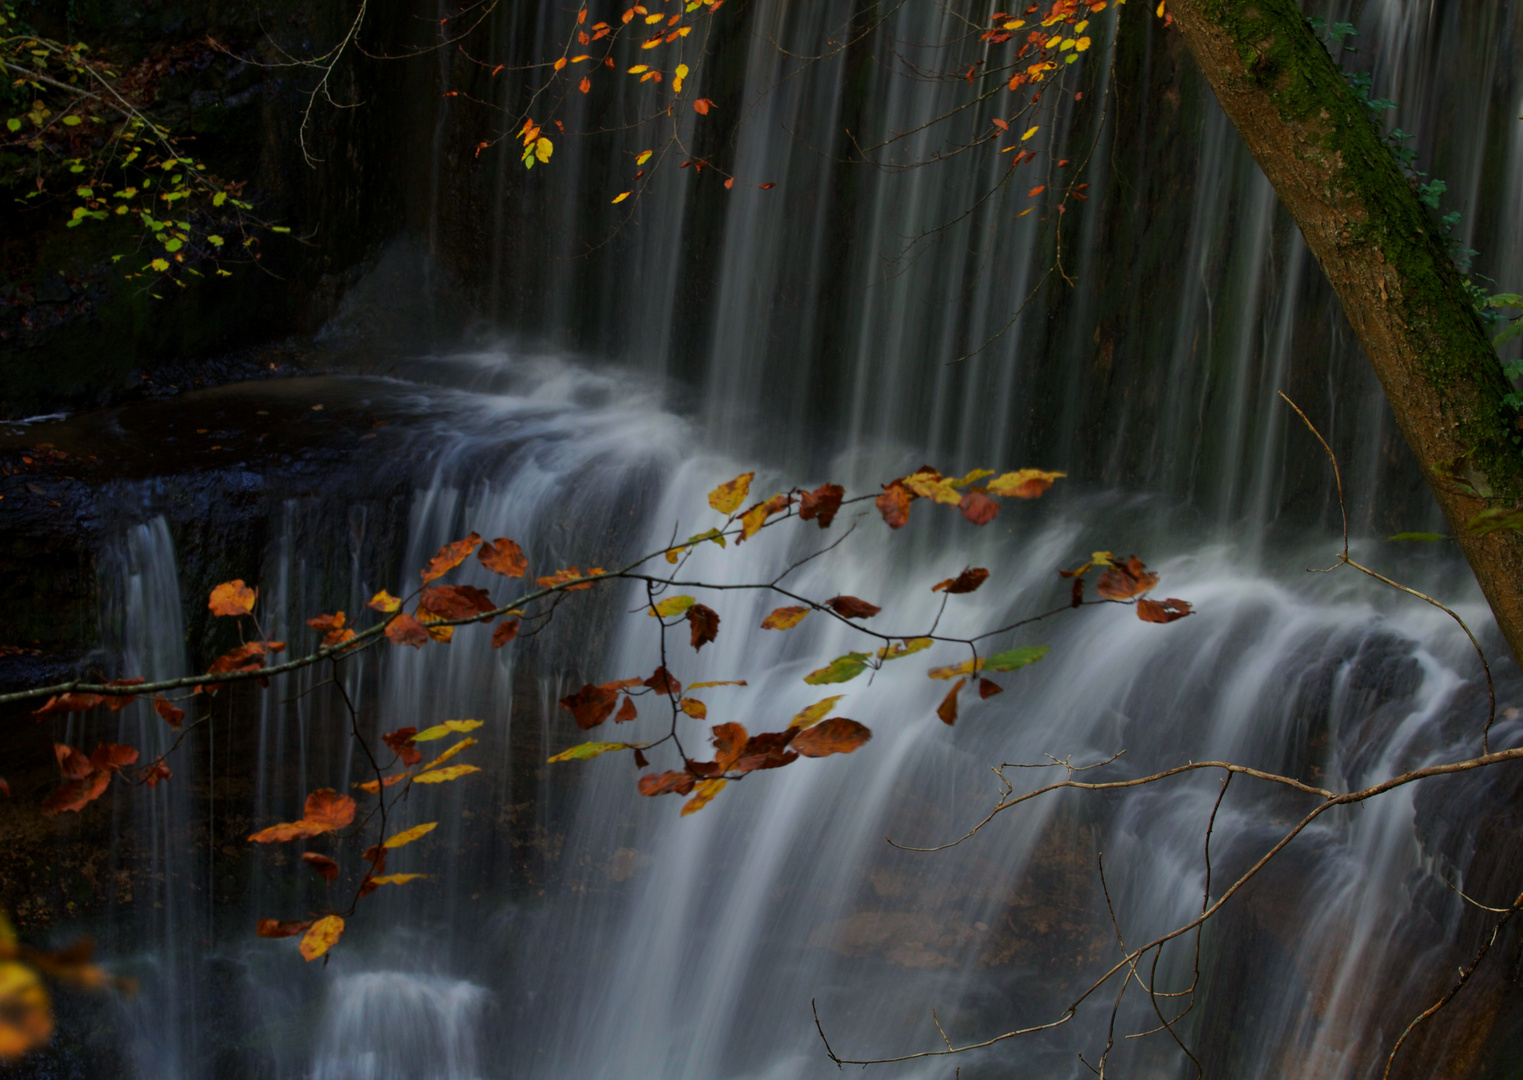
[590, 750]
[1494, 519]
[1419, 536]
[71, 121]
[1017, 658]
[673, 605]
[13, 124]
[160, 265]
[439, 731]
[1507, 335]
[1506, 299]
[214, 240]
[841, 669]
[279, 229]
[712, 534]
[172, 246]
[219, 198]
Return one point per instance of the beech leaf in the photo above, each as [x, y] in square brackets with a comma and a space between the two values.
[232, 598]
[784, 618]
[407, 836]
[321, 936]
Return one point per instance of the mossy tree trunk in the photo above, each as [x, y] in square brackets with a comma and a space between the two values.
[1319, 147]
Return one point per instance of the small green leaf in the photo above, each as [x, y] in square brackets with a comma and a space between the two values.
[841, 669]
[1507, 335]
[214, 240]
[13, 124]
[1017, 658]
[279, 229]
[1494, 519]
[591, 750]
[219, 198]
[172, 246]
[1419, 536]
[71, 121]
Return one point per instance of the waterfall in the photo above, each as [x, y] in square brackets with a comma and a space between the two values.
[571, 927]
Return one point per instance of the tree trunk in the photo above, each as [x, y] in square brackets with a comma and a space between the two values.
[1319, 147]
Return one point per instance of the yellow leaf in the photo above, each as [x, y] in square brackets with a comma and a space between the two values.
[621, 196]
[1082, 44]
[1030, 133]
[397, 879]
[938, 488]
[694, 708]
[904, 648]
[976, 474]
[26, 1012]
[967, 667]
[672, 605]
[583, 751]
[1023, 484]
[638, 68]
[560, 63]
[1160, 8]
[724, 682]
[160, 265]
[383, 601]
[439, 731]
[543, 148]
[703, 794]
[439, 776]
[678, 77]
[321, 936]
[815, 713]
[451, 752]
[651, 44]
[407, 836]
[644, 157]
[579, 59]
[727, 497]
[784, 618]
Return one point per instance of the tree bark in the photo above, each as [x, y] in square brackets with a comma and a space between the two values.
[1385, 258]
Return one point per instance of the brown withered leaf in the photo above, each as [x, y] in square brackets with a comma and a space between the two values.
[822, 504]
[66, 703]
[322, 864]
[591, 705]
[837, 735]
[455, 601]
[503, 556]
[402, 745]
[327, 622]
[406, 630]
[626, 713]
[450, 556]
[667, 783]
[729, 743]
[118, 702]
[784, 618]
[703, 768]
[249, 657]
[769, 750]
[232, 598]
[987, 689]
[964, 582]
[947, 710]
[72, 764]
[694, 708]
[664, 682]
[110, 757]
[704, 623]
[1166, 612]
[152, 774]
[329, 809]
[75, 795]
[5, 787]
[622, 684]
[894, 505]
[571, 573]
[641, 761]
[1076, 594]
[978, 507]
[504, 632]
[1124, 581]
[850, 607]
[274, 928]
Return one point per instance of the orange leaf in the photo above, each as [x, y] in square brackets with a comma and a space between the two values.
[384, 602]
[450, 556]
[76, 794]
[402, 744]
[1166, 612]
[274, 928]
[67, 703]
[729, 183]
[702, 106]
[571, 573]
[1034, 192]
[72, 764]
[327, 622]
[894, 505]
[232, 598]
[322, 864]
[504, 633]
[1122, 582]
[406, 630]
[837, 735]
[109, 757]
[560, 63]
[585, 85]
[664, 682]
[1024, 484]
[1001, 124]
[503, 556]
[753, 519]
[784, 618]
[978, 507]
[667, 783]
[375, 786]
[118, 702]
[152, 774]
[729, 743]
[321, 936]
[627, 712]
[727, 497]
[947, 710]
[329, 809]
[694, 708]
[455, 601]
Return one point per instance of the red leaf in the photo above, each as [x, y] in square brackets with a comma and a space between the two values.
[1154, 612]
[766, 187]
[502, 556]
[768, 750]
[328, 809]
[73, 764]
[67, 703]
[704, 624]
[987, 689]
[406, 630]
[327, 622]
[837, 735]
[322, 864]
[729, 183]
[109, 757]
[1077, 595]
[5, 788]
[821, 503]
[76, 794]
[402, 745]
[667, 783]
[850, 607]
[702, 106]
[947, 710]
[504, 633]
[455, 601]
[249, 657]
[591, 705]
[1125, 582]
[450, 556]
[964, 582]
[627, 712]
[152, 774]
[729, 743]
[118, 702]
[894, 505]
[274, 928]
[978, 507]
[664, 682]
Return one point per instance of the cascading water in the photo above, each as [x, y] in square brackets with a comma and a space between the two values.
[574, 928]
